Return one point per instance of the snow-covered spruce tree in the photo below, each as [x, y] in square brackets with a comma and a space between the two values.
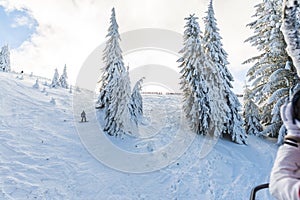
[55, 80]
[213, 47]
[136, 102]
[203, 89]
[117, 116]
[112, 57]
[115, 89]
[36, 85]
[272, 74]
[195, 92]
[5, 59]
[63, 79]
[251, 114]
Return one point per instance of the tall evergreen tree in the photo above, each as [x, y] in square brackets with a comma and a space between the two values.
[117, 116]
[63, 79]
[214, 49]
[115, 89]
[55, 80]
[272, 74]
[5, 59]
[202, 85]
[195, 92]
[251, 114]
[113, 60]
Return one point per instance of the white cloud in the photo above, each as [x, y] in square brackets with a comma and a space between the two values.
[68, 30]
[23, 21]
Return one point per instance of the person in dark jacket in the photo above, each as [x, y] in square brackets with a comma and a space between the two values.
[83, 116]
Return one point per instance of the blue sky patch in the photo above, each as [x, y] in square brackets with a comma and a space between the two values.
[15, 27]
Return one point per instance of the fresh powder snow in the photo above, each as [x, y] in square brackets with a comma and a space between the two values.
[42, 156]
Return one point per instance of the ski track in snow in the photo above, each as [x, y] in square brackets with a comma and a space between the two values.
[42, 157]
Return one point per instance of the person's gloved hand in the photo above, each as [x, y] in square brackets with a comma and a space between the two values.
[292, 125]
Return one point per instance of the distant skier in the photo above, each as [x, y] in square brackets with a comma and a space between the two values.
[83, 116]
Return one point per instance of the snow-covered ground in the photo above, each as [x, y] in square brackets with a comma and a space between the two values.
[42, 156]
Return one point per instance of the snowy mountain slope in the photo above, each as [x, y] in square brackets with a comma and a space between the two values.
[42, 157]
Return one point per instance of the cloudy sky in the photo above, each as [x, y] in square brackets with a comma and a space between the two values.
[46, 34]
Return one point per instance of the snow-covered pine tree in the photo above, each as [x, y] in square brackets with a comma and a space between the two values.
[271, 78]
[195, 92]
[204, 92]
[115, 89]
[251, 114]
[112, 57]
[55, 80]
[63, 79]
[136, 102]
[5, 59]
[36, 85]
[117, 116]
[213, 47]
